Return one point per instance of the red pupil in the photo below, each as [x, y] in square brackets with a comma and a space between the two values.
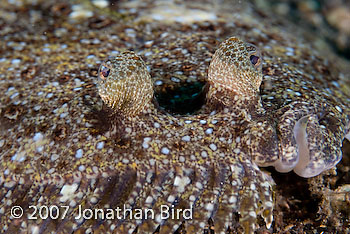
[105, 71]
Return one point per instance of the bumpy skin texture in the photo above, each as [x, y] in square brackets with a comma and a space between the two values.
[129, 97]
[207, 160]
[215, 177]
[55, 147]
[234, 79]
[308, 136]
[311, 137]
[232, 68]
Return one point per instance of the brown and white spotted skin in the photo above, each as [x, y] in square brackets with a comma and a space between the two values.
[236, 67]
[125, 84]
[309, 134]
[151, 159]
[201, 161]
[244, 134]
[221, 146]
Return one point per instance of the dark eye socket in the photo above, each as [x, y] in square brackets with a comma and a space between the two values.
[254, 59]
[104, 72]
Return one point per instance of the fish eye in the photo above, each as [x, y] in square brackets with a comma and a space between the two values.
[104, 72]
[255, 60]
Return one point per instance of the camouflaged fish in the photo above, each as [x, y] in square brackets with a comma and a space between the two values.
[191, 173]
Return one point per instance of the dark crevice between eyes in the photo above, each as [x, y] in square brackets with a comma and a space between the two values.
[183, 100]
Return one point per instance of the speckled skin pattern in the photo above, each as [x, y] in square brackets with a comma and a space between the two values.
[185, 150]
[129, 97]
[60, 144]
[234, 80]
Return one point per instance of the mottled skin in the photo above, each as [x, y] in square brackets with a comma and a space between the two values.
[301, 141]
[54, 148]
[135, 92]
[208, 160]
[201, 161]
[205, 158]
[234, 78]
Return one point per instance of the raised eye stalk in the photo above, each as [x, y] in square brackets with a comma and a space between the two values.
[235, 70]
[125, 84]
